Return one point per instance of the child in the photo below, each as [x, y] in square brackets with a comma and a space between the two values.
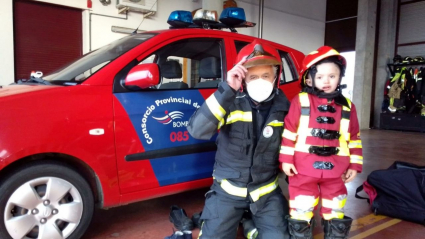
[321, 148]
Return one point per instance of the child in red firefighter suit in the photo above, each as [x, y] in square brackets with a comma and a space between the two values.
[321, 148]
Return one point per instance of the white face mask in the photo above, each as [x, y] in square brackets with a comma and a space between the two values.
[259, 89]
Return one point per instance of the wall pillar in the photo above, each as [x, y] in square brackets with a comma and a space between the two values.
[365, 46]
[386, 43]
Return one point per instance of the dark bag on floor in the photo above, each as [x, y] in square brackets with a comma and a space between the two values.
[398, 192]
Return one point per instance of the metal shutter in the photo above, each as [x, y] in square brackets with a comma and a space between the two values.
[46, 37]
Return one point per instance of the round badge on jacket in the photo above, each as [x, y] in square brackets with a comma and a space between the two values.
[268, 131]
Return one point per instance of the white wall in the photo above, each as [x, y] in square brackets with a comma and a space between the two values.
[299, 24]
[6, 43]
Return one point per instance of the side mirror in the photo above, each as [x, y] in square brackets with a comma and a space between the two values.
[143, 76]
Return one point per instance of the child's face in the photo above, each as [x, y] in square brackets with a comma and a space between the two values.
[327, 77]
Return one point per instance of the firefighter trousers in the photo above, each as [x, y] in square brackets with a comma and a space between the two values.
[304, 194]
[222, 215]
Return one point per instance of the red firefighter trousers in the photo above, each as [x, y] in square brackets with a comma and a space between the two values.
[304, 193]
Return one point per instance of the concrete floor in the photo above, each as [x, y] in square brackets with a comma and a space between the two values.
[149, 219]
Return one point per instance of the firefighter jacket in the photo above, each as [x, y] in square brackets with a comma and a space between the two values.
[244, 165]
[321, 138]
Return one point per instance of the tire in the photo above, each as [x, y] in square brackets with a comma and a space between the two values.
[43, 200]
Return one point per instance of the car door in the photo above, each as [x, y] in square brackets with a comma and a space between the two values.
[154, 149]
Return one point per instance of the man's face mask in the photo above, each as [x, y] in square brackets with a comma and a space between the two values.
[259, 89]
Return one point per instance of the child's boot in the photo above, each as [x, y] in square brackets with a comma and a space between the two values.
[301, 229]
[337, 228]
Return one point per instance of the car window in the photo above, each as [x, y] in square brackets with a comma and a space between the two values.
[289, 73]
[189, 63]
[83, 68]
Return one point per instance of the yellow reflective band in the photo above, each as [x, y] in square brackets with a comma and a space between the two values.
[233, 190]
[221, 123]
[349, 104]
[335, 203]
[287, 150]
[304, 203]
[276, 123]
[332, 52]
[239, 116]
[266, 189]
[215, 107]
[305, 102]
[334, 214]
[289, 135]
[343, 129]
[306, 216]
[252, 234]
[355, 144]
[200, 232]
[356, 159]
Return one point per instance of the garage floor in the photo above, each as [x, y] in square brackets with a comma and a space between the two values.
[149, 219]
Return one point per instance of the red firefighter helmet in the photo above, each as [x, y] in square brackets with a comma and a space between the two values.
[316, 56]
[260, 54]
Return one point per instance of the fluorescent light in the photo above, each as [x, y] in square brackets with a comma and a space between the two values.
[125, 30]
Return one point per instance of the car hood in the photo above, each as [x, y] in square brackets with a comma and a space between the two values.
[22, 89]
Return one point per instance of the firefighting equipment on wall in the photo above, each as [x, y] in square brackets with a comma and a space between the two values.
[405, 92]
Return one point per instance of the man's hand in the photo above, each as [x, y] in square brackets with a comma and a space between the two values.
[236, 75]
[349, 175]
[288, 168]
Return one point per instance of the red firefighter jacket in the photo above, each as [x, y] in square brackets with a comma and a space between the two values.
[297, 137]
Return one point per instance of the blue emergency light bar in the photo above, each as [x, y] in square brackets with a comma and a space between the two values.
[180, 19]
[233, 16]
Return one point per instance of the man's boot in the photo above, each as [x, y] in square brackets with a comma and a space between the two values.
[337, 228]
[300, 229]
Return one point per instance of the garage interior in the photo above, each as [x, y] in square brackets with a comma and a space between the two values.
[35, 33]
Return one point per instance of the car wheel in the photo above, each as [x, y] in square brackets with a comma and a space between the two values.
[45, 200]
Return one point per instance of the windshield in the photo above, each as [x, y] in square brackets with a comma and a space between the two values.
[83, 68]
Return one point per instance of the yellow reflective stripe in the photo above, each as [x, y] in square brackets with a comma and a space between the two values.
[356, 159]
[355, 144]
[343, 129]
[335, 203]
[233, 190]
[215, 107]
[266, 189]
[287, 150]
[220, 124]
[252, 234]
[238, 115]
[289, 135]
[306, 216]
[334, 214]
[304, 203]
[305, 102]
[331, 52]
[276, 123]
[200, 232]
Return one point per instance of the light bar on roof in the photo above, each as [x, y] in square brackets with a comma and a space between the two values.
[233, 16]
[180, 18]
[204, 16]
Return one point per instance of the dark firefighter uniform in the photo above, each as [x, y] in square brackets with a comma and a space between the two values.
[322, 140]
[246, 163]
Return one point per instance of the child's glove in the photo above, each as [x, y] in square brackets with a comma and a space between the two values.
[289, 169]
